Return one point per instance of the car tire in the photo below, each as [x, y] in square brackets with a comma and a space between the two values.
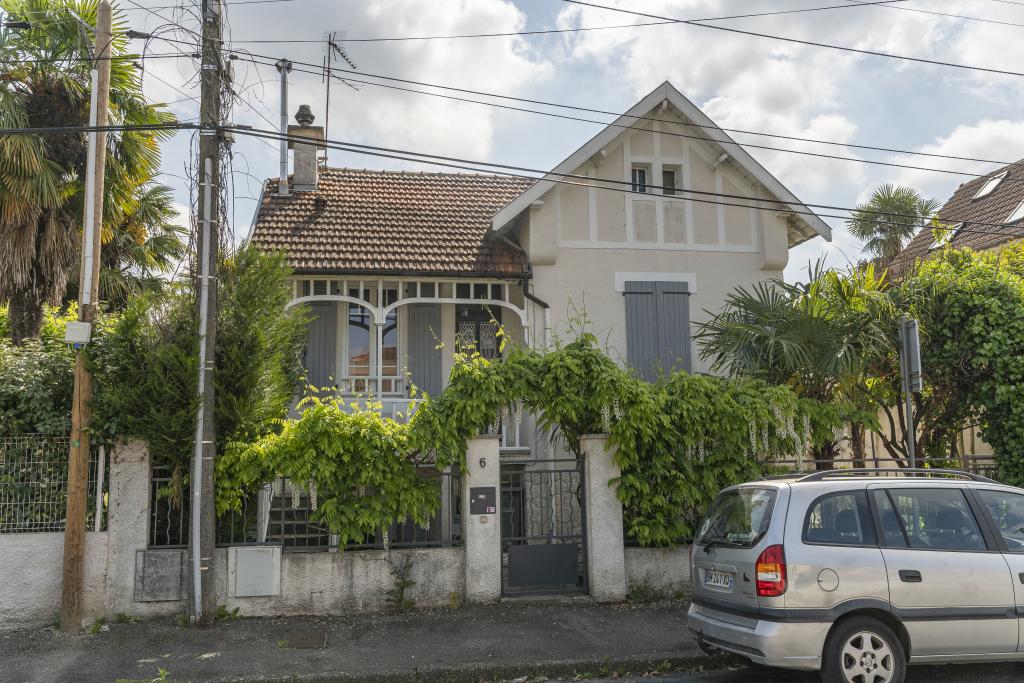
[863, 650]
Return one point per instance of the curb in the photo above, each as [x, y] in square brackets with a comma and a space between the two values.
[476, 672]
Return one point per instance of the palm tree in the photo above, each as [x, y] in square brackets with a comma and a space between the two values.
[44, 77]
[817, 337]
[890, 219]
[139, 250]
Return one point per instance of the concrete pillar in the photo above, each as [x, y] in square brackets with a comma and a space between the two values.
[127, 520]
[481, 532]
[606, 559]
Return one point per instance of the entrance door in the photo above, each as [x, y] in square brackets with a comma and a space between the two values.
[543, 539]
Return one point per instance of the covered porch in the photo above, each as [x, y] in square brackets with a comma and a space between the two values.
[392, 339]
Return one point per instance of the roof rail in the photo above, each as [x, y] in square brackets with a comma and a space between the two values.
[894, 472]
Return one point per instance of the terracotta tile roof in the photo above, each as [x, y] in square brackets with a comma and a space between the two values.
[362, 221]
[962, 207]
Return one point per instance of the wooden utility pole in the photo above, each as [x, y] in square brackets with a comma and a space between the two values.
[88, 294]
[203, 512]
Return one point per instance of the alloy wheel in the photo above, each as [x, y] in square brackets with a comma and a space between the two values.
[867, 658]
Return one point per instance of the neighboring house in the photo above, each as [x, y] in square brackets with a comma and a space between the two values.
[973, 214]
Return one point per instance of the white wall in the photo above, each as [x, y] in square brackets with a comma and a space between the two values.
[666, 570]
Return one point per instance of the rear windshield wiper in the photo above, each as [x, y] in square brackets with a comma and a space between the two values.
[718, 542]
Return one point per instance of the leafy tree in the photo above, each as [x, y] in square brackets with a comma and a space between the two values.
[44, 82]
[887, 221]
[970, 307]
[817, 337]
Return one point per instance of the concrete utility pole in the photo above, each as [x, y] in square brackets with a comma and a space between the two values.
[910, 365]
[79, 333]
[203, 512]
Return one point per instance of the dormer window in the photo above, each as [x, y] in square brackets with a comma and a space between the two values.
[1017, 214]
[990, 185]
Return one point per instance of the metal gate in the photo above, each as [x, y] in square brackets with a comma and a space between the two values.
[543, 538]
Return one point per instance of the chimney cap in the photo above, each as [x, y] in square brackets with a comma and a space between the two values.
[304, 115]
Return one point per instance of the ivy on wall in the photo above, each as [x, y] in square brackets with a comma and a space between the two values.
[678, 441]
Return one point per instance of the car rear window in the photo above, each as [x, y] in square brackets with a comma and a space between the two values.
[738, 517]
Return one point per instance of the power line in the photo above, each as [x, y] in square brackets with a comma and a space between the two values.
[947, 14]
[798, 41]
[624, 186]
[115, 58]
[673, 133]
[388, 39]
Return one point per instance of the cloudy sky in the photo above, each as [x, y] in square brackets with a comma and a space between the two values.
[740, 81]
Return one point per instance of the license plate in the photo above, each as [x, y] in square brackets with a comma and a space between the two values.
[717, 579]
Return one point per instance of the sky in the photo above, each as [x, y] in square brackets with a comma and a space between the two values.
[740, 81]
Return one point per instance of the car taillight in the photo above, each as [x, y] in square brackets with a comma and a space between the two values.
[771, 572]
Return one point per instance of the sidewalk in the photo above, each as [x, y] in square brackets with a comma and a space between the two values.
[466, 644]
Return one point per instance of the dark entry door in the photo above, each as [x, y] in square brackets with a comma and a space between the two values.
[543, 539]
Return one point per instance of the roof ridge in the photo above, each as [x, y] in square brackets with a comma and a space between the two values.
[349, 169]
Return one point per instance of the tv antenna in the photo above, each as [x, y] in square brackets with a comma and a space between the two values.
[333, 51]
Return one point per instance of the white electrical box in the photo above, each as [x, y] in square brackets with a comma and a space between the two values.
[78, 333]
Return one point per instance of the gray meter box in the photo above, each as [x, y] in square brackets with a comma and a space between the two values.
[483, 500]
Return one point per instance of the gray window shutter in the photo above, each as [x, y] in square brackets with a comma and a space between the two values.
[673, 302]
[424, 356]
[642, 329]
[657, 327]
[322, 345]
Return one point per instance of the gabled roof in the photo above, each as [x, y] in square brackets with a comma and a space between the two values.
[806, 226]
[962, 210]
[392, 222]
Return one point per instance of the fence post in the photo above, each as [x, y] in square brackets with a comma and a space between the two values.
[606, 557]
[127, 520]
[481, 532]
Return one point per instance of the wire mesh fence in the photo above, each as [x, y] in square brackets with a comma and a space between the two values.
[282, 513]
[34, 481]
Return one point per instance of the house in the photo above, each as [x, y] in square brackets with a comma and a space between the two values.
[642, 230]
[974, 213]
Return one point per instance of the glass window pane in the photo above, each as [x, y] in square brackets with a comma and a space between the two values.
[668, 182]
[390, 345]
[938, 519]
[892, 528]
[839, 518]
[739, 517]
[1007, 509]
[358, 341]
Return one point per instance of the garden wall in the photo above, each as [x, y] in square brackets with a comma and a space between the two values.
[663, 570]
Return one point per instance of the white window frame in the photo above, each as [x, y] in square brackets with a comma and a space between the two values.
[1017, 214]
[641, 187]
[990, 185]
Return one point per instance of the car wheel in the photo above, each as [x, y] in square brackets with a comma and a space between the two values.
[863, 650]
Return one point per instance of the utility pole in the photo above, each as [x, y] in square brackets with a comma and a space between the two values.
[79, 332]
[203, 511]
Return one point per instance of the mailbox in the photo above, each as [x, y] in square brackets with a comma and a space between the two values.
[483, 500]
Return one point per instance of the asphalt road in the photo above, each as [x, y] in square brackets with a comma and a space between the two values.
[964, 673]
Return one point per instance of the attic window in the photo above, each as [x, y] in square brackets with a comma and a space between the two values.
[990, 186]
[1017, 214]
[639, 179]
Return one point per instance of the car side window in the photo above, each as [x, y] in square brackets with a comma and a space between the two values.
[1007, 510]
[839, 518]
[939, 519]
[893, 533]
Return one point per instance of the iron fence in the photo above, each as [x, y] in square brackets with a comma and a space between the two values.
[281, 513]
[34, 483]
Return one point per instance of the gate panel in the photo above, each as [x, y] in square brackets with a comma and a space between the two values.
[543, 539]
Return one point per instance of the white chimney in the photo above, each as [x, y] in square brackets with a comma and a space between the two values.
[305, 173]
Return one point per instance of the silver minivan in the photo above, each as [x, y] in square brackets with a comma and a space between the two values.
[857, 573]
